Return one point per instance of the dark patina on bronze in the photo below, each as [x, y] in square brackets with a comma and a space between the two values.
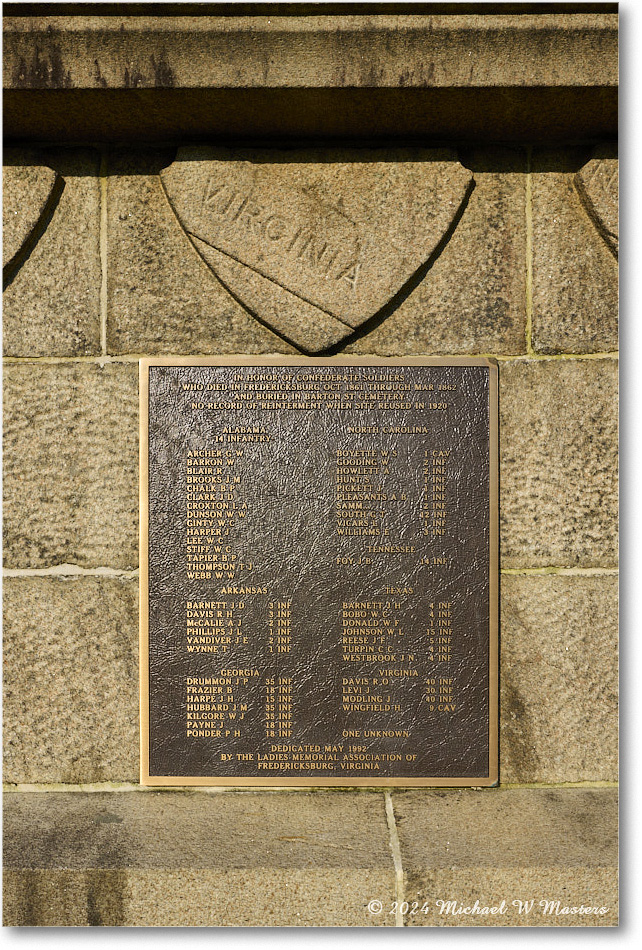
[318, 571]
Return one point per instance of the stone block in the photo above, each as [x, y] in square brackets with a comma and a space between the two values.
[489, 76]
[28, 189]
[196, 859]
[500, 844]
[51, 302]
[71, 465]
[256, 897]
[472, 297]
[558, 464]
[575, 273]
[597, 184]
[70, 679]
[162, 297]
[559, 679]
[312, 858]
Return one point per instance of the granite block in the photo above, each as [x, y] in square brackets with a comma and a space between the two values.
[51, 301]
[196, 859]
[70, 679]
[71, 465]
[559, 679]
[472, 297]
[575, 272]
[495, 845]
[558, 463]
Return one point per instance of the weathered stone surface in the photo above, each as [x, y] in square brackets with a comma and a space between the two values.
[27, 188]
[197, 859]
[51, 306]
[310, 51]
[594, 888]
[341, 231]
[472, 299]
[558, 446]
[294, 319]
[303, 858]
[70, 679]
[559, 679]
[598, 185]
[174, 79]
[518, 844]
[575, 288]
[162, 297]
[71, 462]
[173, 829]
[502, 828]
[254, 897]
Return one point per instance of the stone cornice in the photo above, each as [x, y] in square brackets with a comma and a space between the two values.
[500, 77]
[324, 52]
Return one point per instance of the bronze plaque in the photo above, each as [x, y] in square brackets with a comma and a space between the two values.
[318, 571]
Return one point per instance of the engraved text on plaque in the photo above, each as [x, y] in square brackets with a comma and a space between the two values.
[318, 572]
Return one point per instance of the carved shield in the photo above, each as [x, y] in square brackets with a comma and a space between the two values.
[312, 247]
[30, 191]
[597, 185]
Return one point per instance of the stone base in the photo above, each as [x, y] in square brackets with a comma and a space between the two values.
[307, 858]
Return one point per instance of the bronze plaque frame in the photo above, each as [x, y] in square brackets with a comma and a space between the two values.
[491, 776]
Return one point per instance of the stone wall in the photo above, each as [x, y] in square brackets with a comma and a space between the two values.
[99, 271]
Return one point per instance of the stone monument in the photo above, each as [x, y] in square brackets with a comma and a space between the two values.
[408, 195]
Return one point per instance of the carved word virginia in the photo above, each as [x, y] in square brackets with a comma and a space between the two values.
[300, 243]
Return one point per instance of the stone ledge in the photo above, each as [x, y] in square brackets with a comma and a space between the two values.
[199, 859]
[310, 858]
[507, 828]
[121, 78]
[520, 844]
[96, 52]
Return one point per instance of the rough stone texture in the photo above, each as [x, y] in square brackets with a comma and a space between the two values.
[558, 679]
[71, 462]
[558, 463]
[199, 859]
[575, 282]
[51, 306]
[70, 679]
[598, 186]
[257, 897]
[315, 51]
[27, 187]
[502, 828]
[172, 829]
[302, 858]
[341, 231]
[294, 319]
[162, 297]
[288, 79]
[553, 844]
[473, 297]
[593, 887]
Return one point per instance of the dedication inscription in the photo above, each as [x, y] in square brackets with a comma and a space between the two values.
[318, 571]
